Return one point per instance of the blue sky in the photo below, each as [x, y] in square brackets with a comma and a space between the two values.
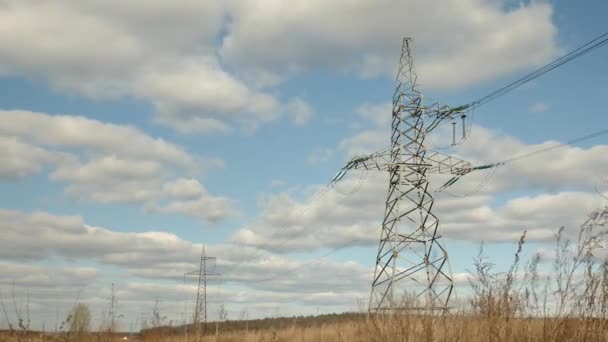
[135, 133]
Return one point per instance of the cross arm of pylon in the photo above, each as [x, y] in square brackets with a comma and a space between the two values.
[443, 164]
[444, 113]
[376, 161]
[435, 162]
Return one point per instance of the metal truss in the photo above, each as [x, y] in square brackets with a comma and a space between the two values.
[200, 310]
[435, 162]
[412, 270]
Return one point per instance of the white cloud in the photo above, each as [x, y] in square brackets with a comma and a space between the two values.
[97, 137]
[454, 40]
[331, 220]
[41, 278]
[70, 237]
[197, 98]
[107, 168]
[378, 114]
[154, 256]
[548, 171]
[205, 70]
[354, 217]
[21, 159]
[108, 163]
[540, 215]
[206, 207]
[183, 188]
[156, 52]
[149, 254]
[370, 140]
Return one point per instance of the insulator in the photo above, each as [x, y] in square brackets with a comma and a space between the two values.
[453, 133]
[464, 127]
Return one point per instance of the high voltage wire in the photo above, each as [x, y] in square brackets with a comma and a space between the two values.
[530, 154]
[578, 52]
[582, 50]
[554, 147]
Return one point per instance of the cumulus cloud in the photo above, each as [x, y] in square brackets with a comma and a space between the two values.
[97, 137]
[40, 278]
[108, 163]
[205, 206]
[184, 188]
[372, 139]
[21, 159]
[453, 39]
[252, 278]
[204, 70]
[148, 254]
[336, 221]
[153, 266]
[70, 237]
[160, 53]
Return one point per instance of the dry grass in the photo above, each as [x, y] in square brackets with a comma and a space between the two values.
[400, 328]
[570, 303]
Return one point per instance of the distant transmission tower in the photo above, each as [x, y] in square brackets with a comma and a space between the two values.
[200, 310]
[412, 270]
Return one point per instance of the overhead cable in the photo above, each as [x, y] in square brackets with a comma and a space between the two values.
[570, 56]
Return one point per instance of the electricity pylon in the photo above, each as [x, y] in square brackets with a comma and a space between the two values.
[412, 271]
[200, 310]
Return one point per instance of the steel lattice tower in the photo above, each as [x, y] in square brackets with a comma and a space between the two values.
[200, 310]
[412, 271]
[409, 230]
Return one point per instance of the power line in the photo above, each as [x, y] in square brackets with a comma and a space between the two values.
[486, 179]
[554, 147]
[469, 108]
[578, 52]
[517, 157]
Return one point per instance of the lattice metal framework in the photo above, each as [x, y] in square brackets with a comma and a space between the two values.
[200, 310]
[412, 269]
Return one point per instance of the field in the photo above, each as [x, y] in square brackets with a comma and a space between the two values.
[386, 328]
